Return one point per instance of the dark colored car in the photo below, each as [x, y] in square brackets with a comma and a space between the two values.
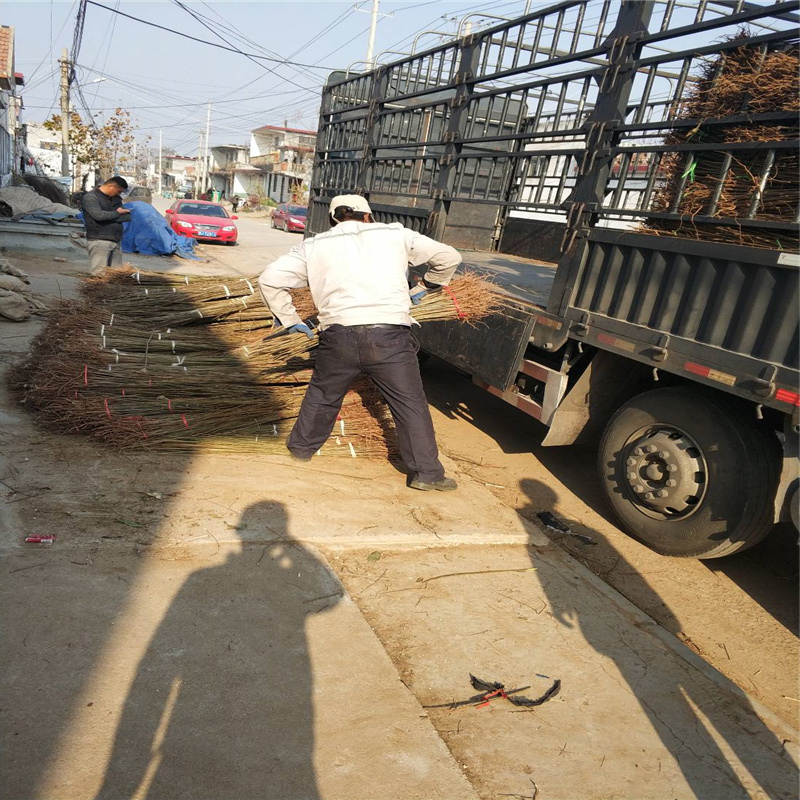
[200, 219]
[290, 217]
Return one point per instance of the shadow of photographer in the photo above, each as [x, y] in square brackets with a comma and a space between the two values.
[221, 705]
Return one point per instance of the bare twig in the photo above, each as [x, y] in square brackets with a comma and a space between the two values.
[30, 566]
[369, 585]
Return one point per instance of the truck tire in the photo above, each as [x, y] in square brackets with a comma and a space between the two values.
[689, 473]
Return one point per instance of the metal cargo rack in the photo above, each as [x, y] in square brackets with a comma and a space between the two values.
[564, 116]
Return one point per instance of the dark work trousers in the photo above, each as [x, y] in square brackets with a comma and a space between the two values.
[388, 354]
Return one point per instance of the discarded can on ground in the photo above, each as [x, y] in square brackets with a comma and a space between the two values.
[40, 539]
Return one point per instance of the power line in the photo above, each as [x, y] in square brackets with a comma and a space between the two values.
[304, 101]
[203, 41]
[161, 94]
[109, 35]
[50, 52]
[304, 89]
[220, 36]
[241, 37]
[31, 86]
[77, 37]
[477, 7]
[237, 33]
[328, 29]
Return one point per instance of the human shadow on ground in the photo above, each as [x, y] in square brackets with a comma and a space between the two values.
[767, 572]
[221, 706]
[64, 606]
[684, 711]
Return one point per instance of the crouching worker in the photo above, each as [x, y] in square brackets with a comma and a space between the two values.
[357, 273]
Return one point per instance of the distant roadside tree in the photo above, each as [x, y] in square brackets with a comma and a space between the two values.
[109, 148]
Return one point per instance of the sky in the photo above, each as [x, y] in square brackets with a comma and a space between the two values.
[166, 81]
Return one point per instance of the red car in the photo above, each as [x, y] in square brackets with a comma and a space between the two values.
[202, 220]
[290, 217]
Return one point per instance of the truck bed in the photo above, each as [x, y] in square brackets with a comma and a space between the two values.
[524, 279]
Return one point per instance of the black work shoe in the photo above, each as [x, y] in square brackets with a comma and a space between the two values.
[444, 485]
[296, 456]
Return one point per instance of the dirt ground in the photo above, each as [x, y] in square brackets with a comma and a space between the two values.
[740, 613]
[446, 585]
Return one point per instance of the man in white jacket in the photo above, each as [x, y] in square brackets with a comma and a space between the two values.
[358, 276]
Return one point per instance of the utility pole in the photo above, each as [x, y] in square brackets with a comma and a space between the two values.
[207, 155]
[373, 23]
[160, 136]
[198, 170]
[64, 61]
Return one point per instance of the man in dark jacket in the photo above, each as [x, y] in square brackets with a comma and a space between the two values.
[103, 216]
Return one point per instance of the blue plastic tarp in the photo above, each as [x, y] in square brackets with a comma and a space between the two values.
[148, 233]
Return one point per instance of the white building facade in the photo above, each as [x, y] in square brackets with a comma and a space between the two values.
[285, 156]
[10, 106]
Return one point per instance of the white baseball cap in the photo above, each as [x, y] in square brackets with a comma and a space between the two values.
[354, 201]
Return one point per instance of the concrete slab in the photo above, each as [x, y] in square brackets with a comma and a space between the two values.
[639, 716]
[38, 237]
[233, 672]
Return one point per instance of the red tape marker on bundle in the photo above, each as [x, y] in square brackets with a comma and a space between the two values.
[185, 421]
[105, 403]
[461, 314]
[85, 374]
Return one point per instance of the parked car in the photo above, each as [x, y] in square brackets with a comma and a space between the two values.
[290, 217]
[141, 193]
[202, 220]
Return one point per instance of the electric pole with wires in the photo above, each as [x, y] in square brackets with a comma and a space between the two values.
[207, 153]
[373, 24]
[198, 170]
[64, 61]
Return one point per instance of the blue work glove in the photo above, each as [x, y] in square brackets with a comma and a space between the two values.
[301, 327]
[417, 293]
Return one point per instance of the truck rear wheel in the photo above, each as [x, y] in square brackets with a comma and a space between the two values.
[689, 473]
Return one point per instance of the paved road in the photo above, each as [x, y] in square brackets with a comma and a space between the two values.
[258, 244]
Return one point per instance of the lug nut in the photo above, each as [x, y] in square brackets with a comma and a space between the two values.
[672, 467]
[651, 448]
[649, 496]
[631, 462]
[631, 476]
[638, 488]
[662, 493]
[663, 454]
[672, 483]
[637, 451]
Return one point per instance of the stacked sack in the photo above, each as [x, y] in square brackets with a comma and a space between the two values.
[16, 295]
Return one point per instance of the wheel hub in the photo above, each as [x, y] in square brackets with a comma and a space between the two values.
[665, 472]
